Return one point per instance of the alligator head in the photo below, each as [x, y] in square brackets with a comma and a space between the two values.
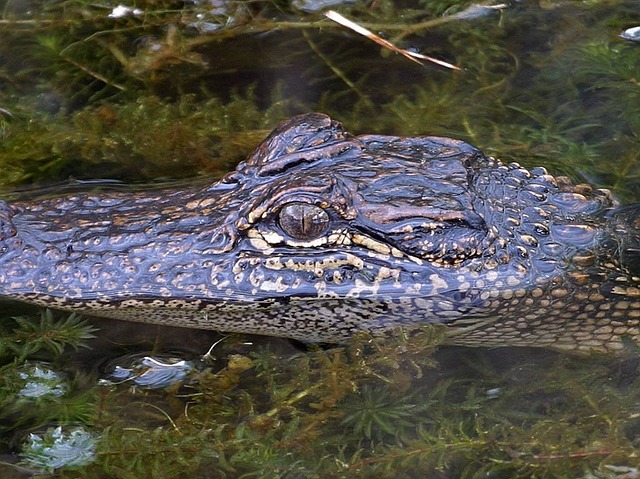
[319, 234]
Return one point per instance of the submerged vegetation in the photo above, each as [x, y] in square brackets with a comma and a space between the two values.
[375, 408]
[161, 89]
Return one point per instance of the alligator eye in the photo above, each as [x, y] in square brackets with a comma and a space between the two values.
[303, 221]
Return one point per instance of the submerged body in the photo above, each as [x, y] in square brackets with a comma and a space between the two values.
[320, 234]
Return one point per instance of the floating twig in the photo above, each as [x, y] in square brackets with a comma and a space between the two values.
[413, 56]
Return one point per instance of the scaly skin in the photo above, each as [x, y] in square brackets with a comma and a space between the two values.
[320, 234]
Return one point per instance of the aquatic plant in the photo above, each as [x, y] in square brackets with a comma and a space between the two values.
[375, 415]
[51, 335]
[374, 408]
[177, 103]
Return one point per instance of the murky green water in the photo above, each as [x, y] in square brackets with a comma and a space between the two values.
[182, 91]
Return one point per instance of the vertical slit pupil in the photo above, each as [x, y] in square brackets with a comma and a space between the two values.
[303, 220]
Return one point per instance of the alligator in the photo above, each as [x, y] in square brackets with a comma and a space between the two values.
[320, 234]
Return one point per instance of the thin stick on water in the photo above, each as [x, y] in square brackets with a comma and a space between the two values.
[415, 57]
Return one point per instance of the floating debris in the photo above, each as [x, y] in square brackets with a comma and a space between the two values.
[478, 11]
[56, 448]
[205, 27]
[39, 381]
[147, 372]
[122, 11]
[632, 34]
[6, 113]
[311, 6]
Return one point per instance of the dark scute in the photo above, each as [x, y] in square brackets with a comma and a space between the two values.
[297, 134]
[6, 226]
[626, 221]
[451, 242]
